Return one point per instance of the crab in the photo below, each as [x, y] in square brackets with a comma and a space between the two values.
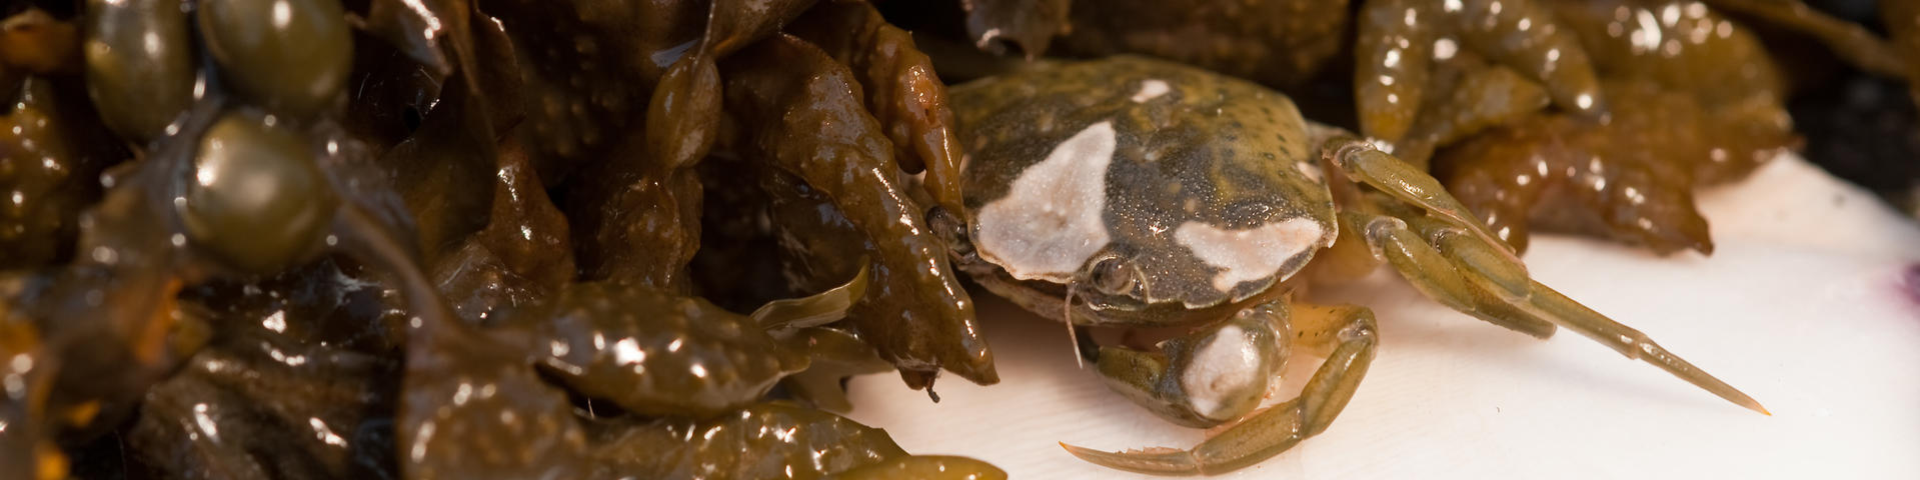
[1133, 192]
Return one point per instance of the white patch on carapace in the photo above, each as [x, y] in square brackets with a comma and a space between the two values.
[1251, 254]
[1150, 89]
[1227, 365]
[1307, 168]
[1049, 222]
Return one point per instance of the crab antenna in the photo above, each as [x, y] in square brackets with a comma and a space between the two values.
[1066, 316]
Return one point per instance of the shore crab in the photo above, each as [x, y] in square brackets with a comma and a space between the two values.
[1161, 195]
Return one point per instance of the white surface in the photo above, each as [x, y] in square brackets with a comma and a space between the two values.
[1803, 306]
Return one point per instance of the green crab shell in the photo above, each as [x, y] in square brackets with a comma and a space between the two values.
[1204, 186]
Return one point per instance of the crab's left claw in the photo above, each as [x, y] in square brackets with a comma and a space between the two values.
[1267, 433]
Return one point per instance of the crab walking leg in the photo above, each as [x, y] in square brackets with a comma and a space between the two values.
[1363, 163]
[1434, 275]
[1274, 430]
[1444, 277]
[1552, 306]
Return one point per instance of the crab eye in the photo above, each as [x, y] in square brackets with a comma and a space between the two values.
[950, 229]
[1114, 276]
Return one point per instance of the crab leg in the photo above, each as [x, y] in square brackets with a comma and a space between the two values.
[1433, 275]
[1274, 430]
[1364, 164]
[1552, 306]
[1444, 272]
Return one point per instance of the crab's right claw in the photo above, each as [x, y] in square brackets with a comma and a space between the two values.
[1212, 375]
[1274, 430]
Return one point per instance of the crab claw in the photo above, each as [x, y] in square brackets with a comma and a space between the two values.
[1208, 377]
[1268, 432]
